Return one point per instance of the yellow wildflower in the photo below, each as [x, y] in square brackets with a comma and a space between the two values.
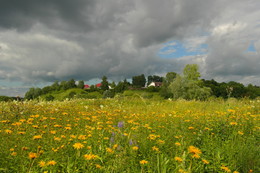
[226, 169]
[195, 156]
[177, 144]
[24, 148]
[178, 159]
[240, 133]
[98, 166]
[78, 146]
[57, 139]
[115, 146]
[42, 163]
[194, 150]
[160, 142]
[154, 148]
[53, 132]
[32, 155]
[142, 162]
[109, 150]
[52, 162]
[13, 153]
[37, 137]
[67, 128]
[8, 131]
[205, 161]
[233, 123]
[182, 171]
[90, 156]
[135, 147]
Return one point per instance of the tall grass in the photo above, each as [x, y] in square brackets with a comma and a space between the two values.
[130, 135]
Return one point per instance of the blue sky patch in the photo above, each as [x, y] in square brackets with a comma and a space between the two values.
[177, 49]
[251, 47]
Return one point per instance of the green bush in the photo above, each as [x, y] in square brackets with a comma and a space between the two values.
[94, 95]
[49, 98]
[5, 98]
[108, 94]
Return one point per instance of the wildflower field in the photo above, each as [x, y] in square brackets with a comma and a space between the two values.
[130, 135]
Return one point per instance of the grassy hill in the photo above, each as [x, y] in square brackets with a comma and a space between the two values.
[80, 93]
[71, 93]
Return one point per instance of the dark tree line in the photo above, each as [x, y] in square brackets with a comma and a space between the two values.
[232, 89]
[56, 86]
[186, 85]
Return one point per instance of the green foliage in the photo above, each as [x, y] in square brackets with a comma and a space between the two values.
[104, 83]
[94, 95]
[141, 94]
[139, 81]
[121, 86]
[55, 86]
[81, 84]
[253, 91]
[191, 72]
[189, 86]
[154, 78]
[186, 86]
[108, 94]
[153, 89]
[5, 98]
[33, 93]
[165, 91]
[71, 84]
[49, 98]
[71, 94]
[113, 85]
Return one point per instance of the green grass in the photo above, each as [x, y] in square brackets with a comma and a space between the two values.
[130, 134]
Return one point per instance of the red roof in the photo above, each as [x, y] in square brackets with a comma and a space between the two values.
[98, 85]
[86, 86]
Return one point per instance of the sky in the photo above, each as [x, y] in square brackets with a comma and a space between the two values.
[53, 40]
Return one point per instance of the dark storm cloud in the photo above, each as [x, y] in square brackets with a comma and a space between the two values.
[48, 40]
[21, 15]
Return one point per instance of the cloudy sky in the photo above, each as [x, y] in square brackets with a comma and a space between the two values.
[42, 41]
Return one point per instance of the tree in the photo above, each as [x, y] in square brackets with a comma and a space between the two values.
[81, 84]
[46, 90]
[139, 81]
[104, 84]
[121, 86]
[170, 76]
[154, 78]
[71, 84]
[191, 72]
[33, 93]
[49, 98]
[165, 92]
[189, 86]
[55, 86]
[113, 85]
[253, 91]
[213, 85]
[63, 85]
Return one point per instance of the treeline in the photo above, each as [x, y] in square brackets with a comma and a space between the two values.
[187, 85]
[34, 93]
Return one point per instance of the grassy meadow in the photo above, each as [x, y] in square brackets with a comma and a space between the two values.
[130, 135]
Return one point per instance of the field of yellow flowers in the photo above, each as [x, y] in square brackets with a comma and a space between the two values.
[130, 135]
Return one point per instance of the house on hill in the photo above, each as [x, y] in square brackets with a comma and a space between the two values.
[98, 85]
[155, 84]
[86, 86]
